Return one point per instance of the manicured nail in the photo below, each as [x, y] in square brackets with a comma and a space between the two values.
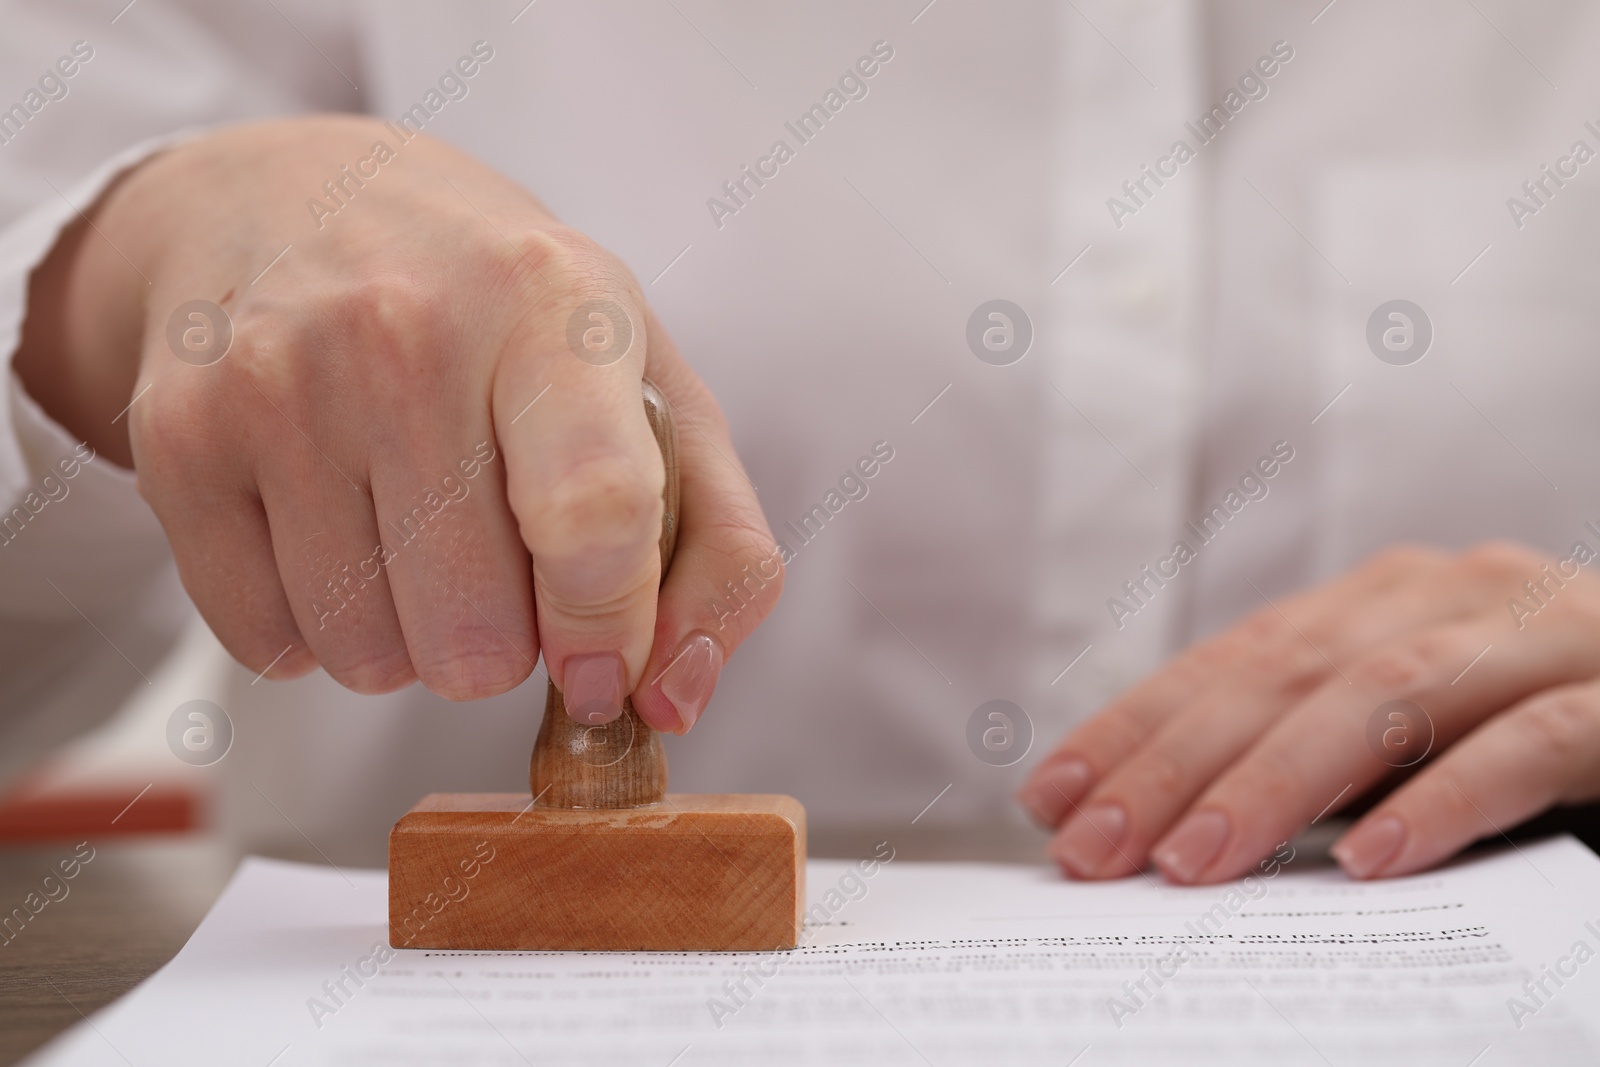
[1368, 848]
[1190, 848]
[691, 677]
[1090, 837]
[1053, 789]
[594, 687]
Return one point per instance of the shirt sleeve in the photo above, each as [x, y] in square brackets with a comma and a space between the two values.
[66, 515]
[88, 599]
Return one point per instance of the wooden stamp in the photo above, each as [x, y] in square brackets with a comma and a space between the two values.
[597, 855]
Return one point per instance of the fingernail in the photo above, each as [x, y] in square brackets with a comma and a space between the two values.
[1190, 848]
[1090, 837]
[1053, 788]
[1369, 847]
[690, 678]
[594, 687]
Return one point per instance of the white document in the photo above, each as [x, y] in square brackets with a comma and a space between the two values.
[1489, 962]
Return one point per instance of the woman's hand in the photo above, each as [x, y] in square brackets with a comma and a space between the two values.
[1493, 656]
[424, 453]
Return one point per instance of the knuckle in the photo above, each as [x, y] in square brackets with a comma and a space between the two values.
[1248, 640]
[474, 667]
[390, 303]
[1269, 783]
[1290, 666]
[748, 546]
[165, 438]
[1584, 610]
[1558, 725]
[757, 575]
[1264, 627]
[259, 641]
[1164, 777]
[1404, 669]
[272, 376]
[1112, 734]
[602, 504]
[564, 263]
[390, 316]
[374, 673]
[175, 435]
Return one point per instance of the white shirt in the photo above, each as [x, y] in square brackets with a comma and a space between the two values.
[1182, 332]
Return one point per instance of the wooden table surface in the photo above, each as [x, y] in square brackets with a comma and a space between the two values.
[127, 912]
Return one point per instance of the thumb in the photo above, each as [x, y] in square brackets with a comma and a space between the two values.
[584, 479]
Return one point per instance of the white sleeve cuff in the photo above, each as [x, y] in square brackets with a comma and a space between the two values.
[80, 523]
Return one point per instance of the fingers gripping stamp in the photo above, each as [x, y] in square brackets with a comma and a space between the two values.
[598, 855]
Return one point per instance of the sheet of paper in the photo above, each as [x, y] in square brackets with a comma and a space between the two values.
[1488, 962]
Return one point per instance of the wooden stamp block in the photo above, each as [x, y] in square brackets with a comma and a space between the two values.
[596, 856]
[691, 873]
